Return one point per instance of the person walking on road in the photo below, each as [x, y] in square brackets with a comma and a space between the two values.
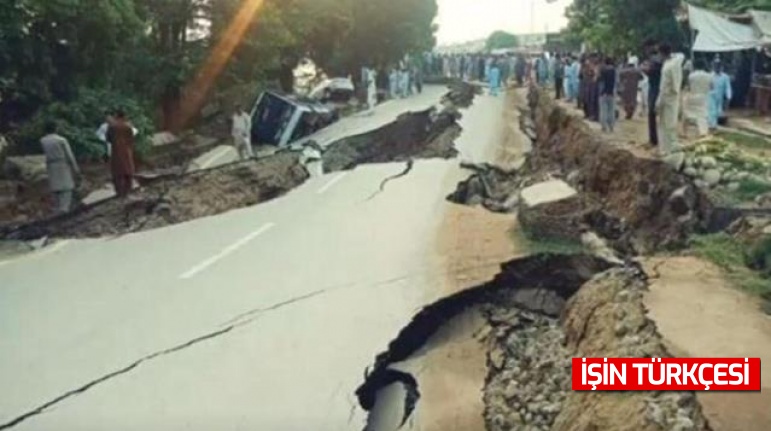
[668, 102]
[63, 170]
[607, 88]
[629, 84]
[697, 100]
[721, 93]
[242, 133]
[120, 135]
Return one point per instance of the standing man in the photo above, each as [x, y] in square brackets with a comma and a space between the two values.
[721, 92]
[652, 69]
[629, 81]
[62, 168]
[607, 88]
[559, 77]
[120, 134]
[668, 102]
[697, 100]
[494, 76]
[242, 133]
[101, 133]
[371, 89]
[571, 78]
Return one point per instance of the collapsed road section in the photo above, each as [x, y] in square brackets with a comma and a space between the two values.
[636, 204]
[545, 309]
[541, 311]
[180, 197]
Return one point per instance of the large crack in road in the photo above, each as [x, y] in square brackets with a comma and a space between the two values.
[183, 196]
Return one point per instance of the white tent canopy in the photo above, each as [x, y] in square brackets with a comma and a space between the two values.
[718, 34]
[762, 22]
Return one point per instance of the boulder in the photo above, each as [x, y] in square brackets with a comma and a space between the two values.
[708, 162]
[691, 172]
[676, 160]
[733, 186]
[26, 169]
[712, 177]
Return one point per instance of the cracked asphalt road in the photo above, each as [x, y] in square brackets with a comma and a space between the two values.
[261, 318]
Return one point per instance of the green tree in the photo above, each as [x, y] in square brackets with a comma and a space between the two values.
[501, 40]
[620, 26]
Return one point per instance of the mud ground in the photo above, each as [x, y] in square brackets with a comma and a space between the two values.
[700, 314]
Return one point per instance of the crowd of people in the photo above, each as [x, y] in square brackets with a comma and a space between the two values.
[663, 86]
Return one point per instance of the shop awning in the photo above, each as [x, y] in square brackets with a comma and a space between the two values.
[717, 33]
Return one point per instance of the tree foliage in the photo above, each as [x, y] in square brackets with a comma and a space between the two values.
[621, 26]
[62, 58]
[501, 39]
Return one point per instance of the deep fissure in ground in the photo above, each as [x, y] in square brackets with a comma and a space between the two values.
[179, 197]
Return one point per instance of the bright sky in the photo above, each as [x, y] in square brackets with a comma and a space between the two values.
[467, 20]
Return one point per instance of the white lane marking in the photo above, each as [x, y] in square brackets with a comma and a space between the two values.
[331, 183]
[215, 157]
[45, 251]
[225, 252]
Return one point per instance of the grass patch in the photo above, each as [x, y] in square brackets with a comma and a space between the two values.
[746, 140]
[533, 245]
[732, 256]
[751, 188]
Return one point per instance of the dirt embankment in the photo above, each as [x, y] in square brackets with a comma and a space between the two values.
[654, 206]
[177, 198]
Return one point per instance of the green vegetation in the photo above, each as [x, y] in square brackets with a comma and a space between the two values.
[545, 245]
[502, 39]
[621, 26]
[70, 60]
[744, 140]
[733, 257]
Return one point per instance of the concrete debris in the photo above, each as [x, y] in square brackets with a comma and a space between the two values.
[546, 192]
[26, 169]
[555, 212]
[494, 188]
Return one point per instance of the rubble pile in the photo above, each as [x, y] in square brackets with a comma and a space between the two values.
[176, 198]
[490, 186]
[530, 371]
[529, 386]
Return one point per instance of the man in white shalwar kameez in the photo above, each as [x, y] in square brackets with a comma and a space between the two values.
[697, 100]
[668, 102]
[371, 89]
[242, 133]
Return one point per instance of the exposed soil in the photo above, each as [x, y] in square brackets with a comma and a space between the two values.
[170, 195]
[413, 135]
[699, 314]
[658, 207]
[176, 199]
